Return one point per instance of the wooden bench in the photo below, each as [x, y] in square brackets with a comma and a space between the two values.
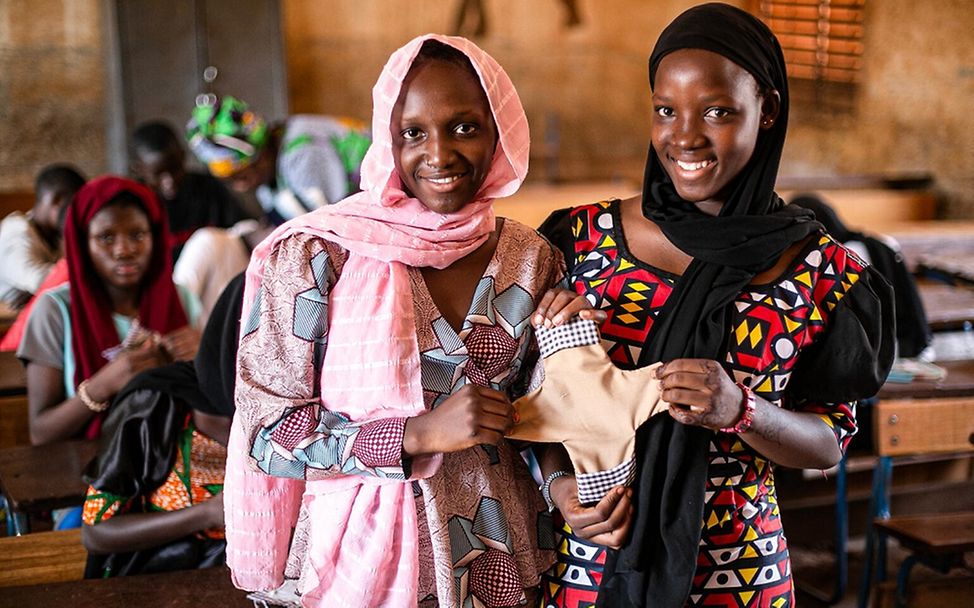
[912, 429]
[183, 589]
[7, 317]
[14, 429]
[43, 557]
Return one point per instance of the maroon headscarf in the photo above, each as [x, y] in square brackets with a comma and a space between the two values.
[160, 309]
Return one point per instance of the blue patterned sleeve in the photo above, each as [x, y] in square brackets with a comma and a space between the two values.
[282, 346]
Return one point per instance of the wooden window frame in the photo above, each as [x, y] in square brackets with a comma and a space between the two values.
[824, 46]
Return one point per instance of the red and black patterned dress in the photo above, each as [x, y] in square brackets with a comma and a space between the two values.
[743, 557]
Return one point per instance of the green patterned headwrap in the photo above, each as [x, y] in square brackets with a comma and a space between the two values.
[226, 136]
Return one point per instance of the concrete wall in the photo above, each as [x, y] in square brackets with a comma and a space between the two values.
[591, 79]
[910, 114]
[913, 111]
[52, 88]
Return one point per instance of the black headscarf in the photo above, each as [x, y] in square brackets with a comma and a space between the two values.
[750, 234]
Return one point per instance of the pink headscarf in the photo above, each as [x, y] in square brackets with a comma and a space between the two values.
[382, 222]
[385, 231]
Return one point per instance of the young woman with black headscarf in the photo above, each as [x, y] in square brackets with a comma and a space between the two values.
[769, 331]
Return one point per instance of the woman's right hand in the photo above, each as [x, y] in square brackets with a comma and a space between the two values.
[110, 379]
[473, 415]
[606, 523]
[558, 305]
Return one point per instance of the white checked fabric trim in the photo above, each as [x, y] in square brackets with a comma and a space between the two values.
[577, 332]
[593, 486]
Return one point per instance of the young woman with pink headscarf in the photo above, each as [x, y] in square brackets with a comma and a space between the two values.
[382, 341]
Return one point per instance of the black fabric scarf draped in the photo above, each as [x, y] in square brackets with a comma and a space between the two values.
[750, 234]
[138, 446]
[141, 431]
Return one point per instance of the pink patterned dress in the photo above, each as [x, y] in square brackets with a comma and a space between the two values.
[484, 532]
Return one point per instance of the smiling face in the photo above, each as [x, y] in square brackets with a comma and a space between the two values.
[120, 245]
[443, 135]
[708, 112]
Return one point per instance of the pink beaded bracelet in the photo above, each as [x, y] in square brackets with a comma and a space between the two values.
[747, 416]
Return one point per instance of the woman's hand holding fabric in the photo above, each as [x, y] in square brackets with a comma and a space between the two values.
[559, 305]
[606, 523]
[700, 393]
[116, 374]
[182, 343]
[471, 416]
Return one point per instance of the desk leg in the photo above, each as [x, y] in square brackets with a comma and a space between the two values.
[875, 554]
[882, 512]
[841, 542]
[841, 534]
[17, 523]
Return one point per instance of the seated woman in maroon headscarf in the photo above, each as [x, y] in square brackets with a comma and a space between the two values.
[118, 314]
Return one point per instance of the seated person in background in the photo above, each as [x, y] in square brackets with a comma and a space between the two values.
[30, 243]
[118, 314]
[306, 163]
[213, 256]
[912, 330]
[155, 502]
[57, 275]
[192, 199]
[11, 339]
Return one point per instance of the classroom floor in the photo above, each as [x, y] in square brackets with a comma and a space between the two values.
[814, 567]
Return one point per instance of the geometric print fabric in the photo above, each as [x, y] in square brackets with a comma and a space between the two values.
[489, 349]
[743, 556]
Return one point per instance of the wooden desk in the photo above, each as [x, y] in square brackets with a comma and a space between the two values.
[41, 558]
[533, 202]
[958, 383]
[46, 477]
[187, 588]
[13, 378]
[954, 269]
[872, 207]
[906, 429]
[932, 238]
[948, 307]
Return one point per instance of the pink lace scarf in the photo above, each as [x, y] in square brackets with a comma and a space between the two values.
[370, 523]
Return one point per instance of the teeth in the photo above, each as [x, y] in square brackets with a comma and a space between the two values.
[694, 166]
[443, 180]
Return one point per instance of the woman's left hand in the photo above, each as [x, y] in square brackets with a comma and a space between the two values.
[182, 343]
[559, 305]
[700, 393]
